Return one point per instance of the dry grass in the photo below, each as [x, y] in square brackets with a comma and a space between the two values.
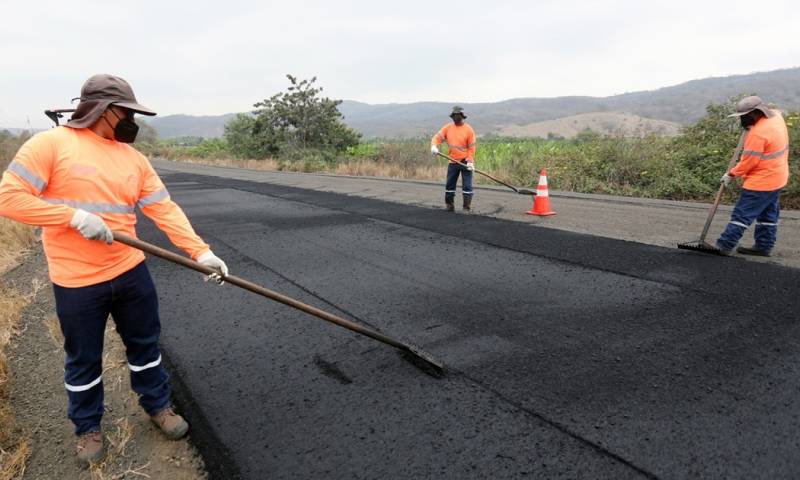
[355, 168]
[14, 451]
[266, 164]
[12, 462]
[14, 239]
[368, 168]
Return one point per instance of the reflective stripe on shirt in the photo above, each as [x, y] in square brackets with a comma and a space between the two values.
[153, 198]
[27, 175]
[764, 156]
[91, 207]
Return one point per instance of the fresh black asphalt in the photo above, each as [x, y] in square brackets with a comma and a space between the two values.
[569, 355]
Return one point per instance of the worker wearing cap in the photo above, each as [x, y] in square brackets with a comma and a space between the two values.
[460, 140]
[80, 182]
[764, 167]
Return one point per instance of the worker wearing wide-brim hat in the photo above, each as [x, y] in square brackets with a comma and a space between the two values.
[79, 182]
[460, 140]
[764, 167]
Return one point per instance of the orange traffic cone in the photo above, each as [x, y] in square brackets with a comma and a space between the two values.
[541, 203]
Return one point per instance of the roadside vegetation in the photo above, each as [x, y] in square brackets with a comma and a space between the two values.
[15, 238]
[279, 136]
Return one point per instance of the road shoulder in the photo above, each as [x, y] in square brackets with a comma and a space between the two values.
[135, 449]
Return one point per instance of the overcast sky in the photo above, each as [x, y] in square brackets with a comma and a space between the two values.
[208, 58]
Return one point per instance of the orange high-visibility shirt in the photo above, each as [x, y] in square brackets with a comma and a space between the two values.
[460, 141]
[764, 163]
[63, 169]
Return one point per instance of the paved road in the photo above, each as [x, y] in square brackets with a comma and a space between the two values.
[654, 222]
[571, 356]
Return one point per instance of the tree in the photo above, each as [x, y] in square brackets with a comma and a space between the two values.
[297, 119]
[147, 134]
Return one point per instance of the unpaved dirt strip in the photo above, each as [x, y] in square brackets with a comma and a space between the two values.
[571, 356]
[655, 222]
[36, 360]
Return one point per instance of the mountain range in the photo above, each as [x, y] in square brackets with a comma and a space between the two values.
[662, 110]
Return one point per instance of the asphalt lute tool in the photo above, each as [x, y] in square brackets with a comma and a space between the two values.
[701, 245]
[415, 355]
[521, 191]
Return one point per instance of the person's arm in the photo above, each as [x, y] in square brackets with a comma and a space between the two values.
[155, 202]
[471, 146]
[752, 153]
[24, 181]
[437, 140]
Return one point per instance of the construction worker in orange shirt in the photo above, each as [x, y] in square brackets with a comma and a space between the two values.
[764, 167]
[79, 182]
[460, 140]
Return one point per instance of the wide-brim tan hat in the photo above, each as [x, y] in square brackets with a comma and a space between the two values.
[748, 104]
[98, 93]
[458, 111]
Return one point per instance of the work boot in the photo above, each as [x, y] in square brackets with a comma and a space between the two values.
[172, 424]
[90, 447]
[467, 202]
[451, 207]
[754, 251]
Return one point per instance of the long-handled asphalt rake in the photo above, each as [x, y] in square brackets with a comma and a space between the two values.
[417, 357]
[521, 191]
[701, 245]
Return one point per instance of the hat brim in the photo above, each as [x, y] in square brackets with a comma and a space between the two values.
[135, 107]
[454, 114]
[763, 109]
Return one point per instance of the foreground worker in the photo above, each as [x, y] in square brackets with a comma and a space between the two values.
[460, 140]
[79, 182]
[764, 166]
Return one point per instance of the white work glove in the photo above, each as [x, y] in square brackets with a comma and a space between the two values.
[210, 260]
[434, 149]
[91, 226]
[726, 179]
[471, 166]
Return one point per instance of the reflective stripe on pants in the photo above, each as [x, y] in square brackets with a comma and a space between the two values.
[763, 207]
[453, 171]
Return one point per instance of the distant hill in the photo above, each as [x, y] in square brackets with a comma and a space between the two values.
[172, 126]
[681, 104]
[606, 123]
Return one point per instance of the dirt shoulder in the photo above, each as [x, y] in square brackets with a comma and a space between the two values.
[135, 449]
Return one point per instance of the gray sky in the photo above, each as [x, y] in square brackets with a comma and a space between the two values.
[208, 58]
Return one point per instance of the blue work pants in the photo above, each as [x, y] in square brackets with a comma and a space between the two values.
[453, 170]
[131, 301]
[764, 208]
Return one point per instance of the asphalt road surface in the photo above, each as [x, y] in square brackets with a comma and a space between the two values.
[569, 355]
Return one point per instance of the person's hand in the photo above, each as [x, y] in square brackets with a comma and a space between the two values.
[726, 179]
[210, 260]
[471, 166]
[434, 149]
[91, 226]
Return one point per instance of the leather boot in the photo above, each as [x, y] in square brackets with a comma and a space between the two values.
[467, 202]
[90, 447]
[754, 251]
[172, 424]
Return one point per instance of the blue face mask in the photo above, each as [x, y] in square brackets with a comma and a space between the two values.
[126, 128]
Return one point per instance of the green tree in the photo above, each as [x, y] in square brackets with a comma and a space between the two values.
[297, 119]
[242, 139]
